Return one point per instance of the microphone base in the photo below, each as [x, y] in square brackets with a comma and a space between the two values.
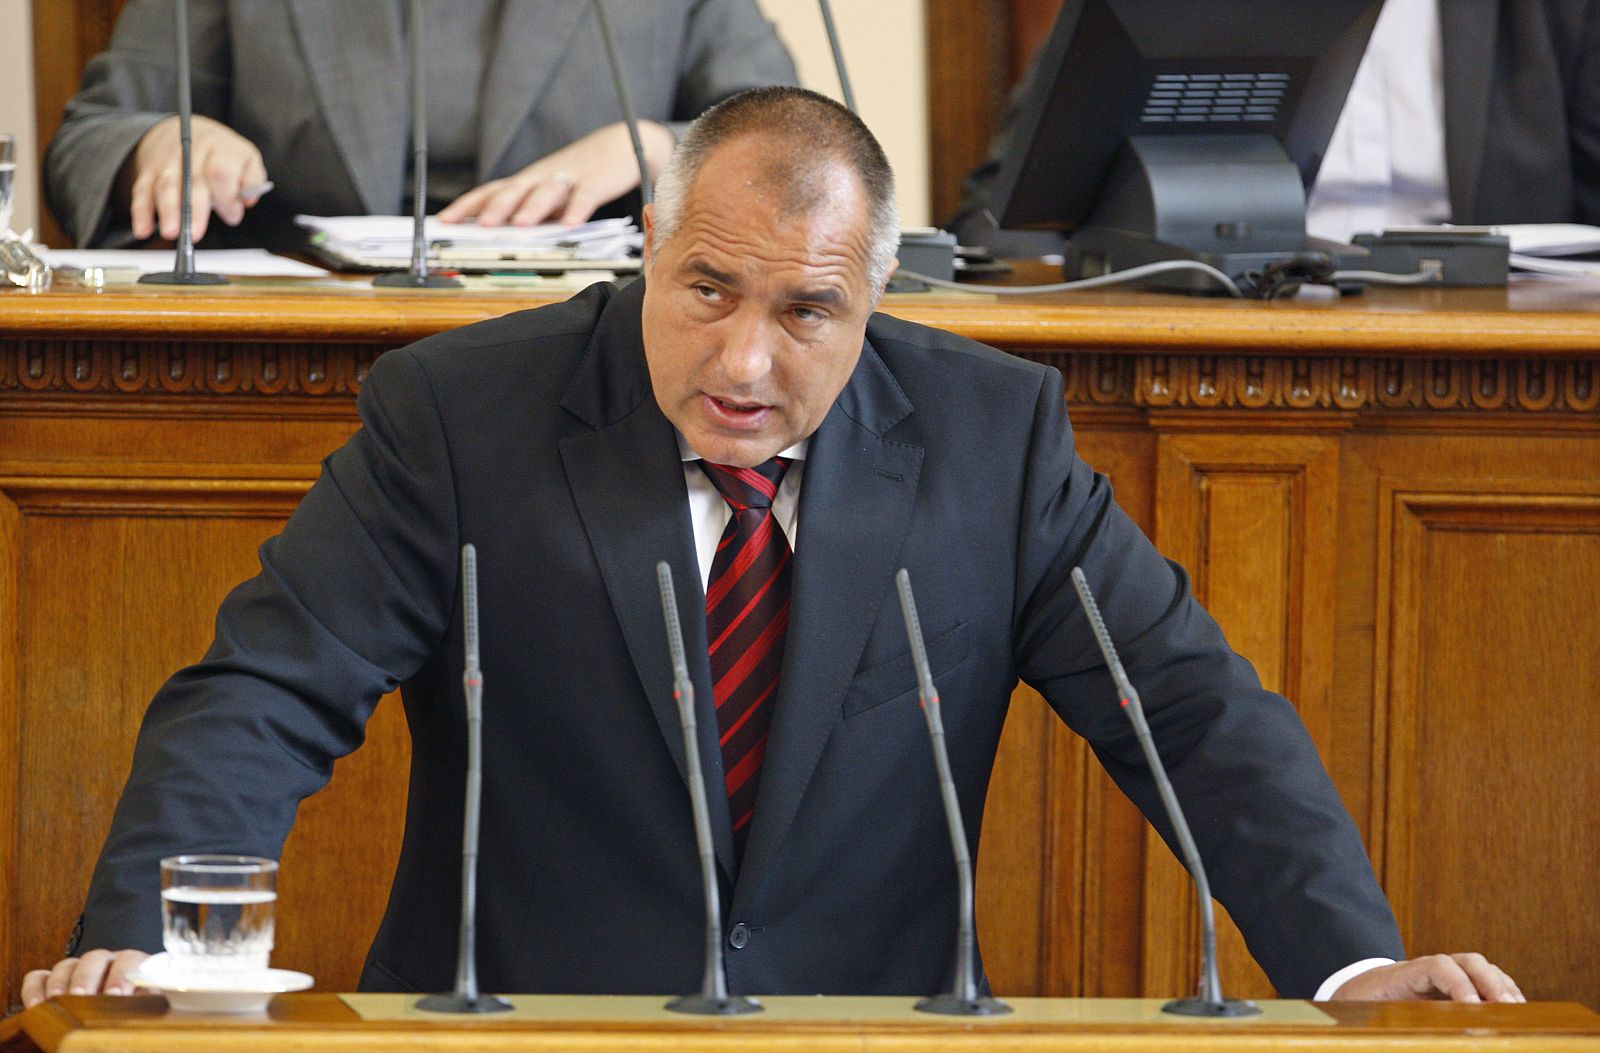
[183, 278]
[409, 280]
[707, 1005]
[1202, 1007]
[456, 1003]
[955, 1005]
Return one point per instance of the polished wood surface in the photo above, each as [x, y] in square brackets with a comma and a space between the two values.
[296, 1023]
[1391, 502]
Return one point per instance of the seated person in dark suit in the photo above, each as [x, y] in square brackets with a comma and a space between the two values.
[743, 397]
[523, 120]
[1467, 113]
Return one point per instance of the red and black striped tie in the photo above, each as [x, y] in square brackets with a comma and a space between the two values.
[747, 611]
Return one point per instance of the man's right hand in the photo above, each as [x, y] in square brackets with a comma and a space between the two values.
[96, 972]
[225, 165]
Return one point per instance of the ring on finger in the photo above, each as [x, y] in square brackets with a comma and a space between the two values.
[563, 179]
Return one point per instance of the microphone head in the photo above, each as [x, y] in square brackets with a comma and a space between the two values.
[1102, 637]
[469, 600]
[669, 611]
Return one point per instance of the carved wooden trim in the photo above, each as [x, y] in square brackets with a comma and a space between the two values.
[1408, 515]
[1349, 384]
[211, 369]
[220, 369]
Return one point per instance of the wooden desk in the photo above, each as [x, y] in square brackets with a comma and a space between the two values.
[301, 1023]
[1391, 503]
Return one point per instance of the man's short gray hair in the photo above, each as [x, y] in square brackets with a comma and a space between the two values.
[819, 132]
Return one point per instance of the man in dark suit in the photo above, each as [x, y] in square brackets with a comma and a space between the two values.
[565, 444]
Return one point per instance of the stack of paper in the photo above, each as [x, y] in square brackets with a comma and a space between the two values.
[384, 243]
[1551, 248]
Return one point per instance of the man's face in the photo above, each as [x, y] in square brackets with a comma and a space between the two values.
[754, 315]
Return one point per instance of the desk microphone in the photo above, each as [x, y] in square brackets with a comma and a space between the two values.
[183, 272]
[1210, 1001]
[418, 277]
[466, 998]
[624, 102]
[929, 253]
[713, 999]
[963, 999]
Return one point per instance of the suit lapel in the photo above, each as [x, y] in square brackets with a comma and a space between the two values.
[1467, 31]
[534, 39]
[855, 506]
[626, 479]
[362, 90]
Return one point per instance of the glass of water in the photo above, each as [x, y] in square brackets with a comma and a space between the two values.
[217, 915]
[8, 177]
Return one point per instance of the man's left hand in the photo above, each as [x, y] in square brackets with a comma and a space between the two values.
[1457, 977]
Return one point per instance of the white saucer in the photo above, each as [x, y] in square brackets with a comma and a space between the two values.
[244, 994]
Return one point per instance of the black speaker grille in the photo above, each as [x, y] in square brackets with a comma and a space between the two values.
[1214, 98]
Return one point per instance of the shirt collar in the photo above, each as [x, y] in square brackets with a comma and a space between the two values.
[797, 452]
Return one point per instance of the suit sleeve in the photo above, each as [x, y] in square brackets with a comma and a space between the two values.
[1281, 851]
[126, 89]
[729, 46]
[352, 598]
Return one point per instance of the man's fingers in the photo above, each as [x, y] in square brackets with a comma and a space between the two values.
[541, 202]
[466, 206]
[123, 963]
[224, 178]
[55, 985]
[169, 204]
[505, 199]
[142, 206]
[583, 201]
[1438, 976]
[1488, 979]
[33, 987]
[89, 973]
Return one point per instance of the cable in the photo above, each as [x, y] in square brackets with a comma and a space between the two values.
[1115, 278]
[1430, 272]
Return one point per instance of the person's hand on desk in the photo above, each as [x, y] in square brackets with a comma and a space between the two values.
[1456, 977]
[226, 164]
[96, 972]
[568, 185]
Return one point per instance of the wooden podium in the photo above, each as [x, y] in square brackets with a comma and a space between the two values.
[1391, 503]
[625, 1024]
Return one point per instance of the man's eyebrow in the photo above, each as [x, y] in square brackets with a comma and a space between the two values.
[720, 277]
[821, 295]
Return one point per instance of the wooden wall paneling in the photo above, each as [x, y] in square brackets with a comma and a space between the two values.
[10, 734]
[1252, 517]
[1118, 443]
[969, 60]
[66, 35]
[1489, 727]
[99, 556]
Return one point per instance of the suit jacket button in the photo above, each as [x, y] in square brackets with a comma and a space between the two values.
[738, 936]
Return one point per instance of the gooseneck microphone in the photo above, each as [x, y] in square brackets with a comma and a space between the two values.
[963, 999]
[713, 999]
[466, 998]
[183, 272]
[418, 277]
[1210, 1001]
[624, 102]
[838, 56]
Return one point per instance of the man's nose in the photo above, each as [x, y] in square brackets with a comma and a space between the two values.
[747, 347]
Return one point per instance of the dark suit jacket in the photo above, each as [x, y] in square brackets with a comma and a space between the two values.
[1522, 122]
[537, 438]
[319, 86]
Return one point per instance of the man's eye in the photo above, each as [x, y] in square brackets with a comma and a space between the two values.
[705, 292]
[808, 314]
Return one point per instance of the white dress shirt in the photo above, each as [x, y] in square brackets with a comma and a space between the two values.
[709, 512]
[1385, 166]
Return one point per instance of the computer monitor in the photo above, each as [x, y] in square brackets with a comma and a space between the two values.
[1182, 129]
